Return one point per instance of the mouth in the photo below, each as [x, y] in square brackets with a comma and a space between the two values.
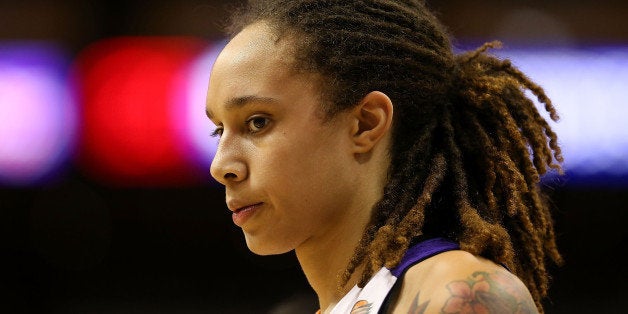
[242, 214]
[247, 207]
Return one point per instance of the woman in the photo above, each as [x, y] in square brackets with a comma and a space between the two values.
[405, 177]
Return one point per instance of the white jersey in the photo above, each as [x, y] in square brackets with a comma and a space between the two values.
[368, 299]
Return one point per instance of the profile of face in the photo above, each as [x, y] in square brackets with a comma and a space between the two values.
[290, 175]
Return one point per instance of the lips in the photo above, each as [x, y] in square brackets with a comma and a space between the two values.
[236, 205]
[242, 213]
[247, 207]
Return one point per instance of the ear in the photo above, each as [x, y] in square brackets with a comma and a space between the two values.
[372, 119]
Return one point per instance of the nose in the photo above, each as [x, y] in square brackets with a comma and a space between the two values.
[228, 166]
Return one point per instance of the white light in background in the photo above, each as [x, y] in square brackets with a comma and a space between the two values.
[199, 126]
[589, 88]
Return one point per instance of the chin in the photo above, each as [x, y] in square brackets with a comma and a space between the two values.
[261, 246]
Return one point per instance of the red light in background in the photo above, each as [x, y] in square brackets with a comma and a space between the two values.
[128, 88]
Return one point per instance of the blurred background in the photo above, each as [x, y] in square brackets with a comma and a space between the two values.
[106, 203]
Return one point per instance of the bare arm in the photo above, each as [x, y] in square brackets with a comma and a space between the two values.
[481, 293]
[474, 288]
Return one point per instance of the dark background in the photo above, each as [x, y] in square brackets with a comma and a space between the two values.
[79, 246]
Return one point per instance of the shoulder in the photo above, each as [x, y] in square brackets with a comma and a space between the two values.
[459, 282]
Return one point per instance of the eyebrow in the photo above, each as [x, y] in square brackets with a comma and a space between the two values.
[239, 102]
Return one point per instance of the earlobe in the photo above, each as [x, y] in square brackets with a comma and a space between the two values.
[373, 119]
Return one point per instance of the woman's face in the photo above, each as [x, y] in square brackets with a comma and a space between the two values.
[289, 175]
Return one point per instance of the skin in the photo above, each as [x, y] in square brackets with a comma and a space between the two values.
[459, 282]
[314, 180]
[311, 182]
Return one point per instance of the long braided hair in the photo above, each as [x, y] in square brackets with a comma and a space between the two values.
[468, 146]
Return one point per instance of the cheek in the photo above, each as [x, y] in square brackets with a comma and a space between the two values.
[312, 174]
[303, 161]
[310, 159]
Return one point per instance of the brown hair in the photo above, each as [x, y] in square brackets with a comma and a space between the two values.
[468, 145]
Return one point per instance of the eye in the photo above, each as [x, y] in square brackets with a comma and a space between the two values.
[217, 132]
[256, 124]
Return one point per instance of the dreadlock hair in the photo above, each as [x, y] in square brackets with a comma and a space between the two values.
[468, 146]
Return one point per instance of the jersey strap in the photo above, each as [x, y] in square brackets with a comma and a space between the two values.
[415, 254]
[422, 251]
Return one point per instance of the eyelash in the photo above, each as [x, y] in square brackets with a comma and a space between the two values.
[219, 129]
[217, 132]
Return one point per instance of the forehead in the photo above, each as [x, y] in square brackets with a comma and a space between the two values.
[254, 62]
[252, 43]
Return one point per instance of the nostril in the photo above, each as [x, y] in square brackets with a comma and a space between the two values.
[230, 175]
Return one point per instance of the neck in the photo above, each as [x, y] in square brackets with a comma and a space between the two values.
[323, 262]
[325, 257]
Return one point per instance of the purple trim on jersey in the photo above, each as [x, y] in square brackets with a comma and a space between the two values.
[422, 251]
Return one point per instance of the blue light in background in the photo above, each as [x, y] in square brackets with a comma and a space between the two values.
[589, 89]
[37, 115]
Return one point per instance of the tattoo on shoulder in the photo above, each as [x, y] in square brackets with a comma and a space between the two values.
[487, 293]
[482, 293]
[417, 308]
